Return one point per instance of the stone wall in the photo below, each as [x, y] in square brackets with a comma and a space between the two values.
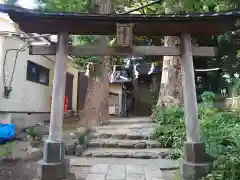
[229, 103]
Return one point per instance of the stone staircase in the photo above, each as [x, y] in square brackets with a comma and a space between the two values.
[125, 138]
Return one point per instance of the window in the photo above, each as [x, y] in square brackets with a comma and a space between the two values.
[37, 73]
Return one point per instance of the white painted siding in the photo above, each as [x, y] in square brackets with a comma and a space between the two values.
[25, 95]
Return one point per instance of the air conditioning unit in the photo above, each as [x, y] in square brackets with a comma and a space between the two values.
[113, 109]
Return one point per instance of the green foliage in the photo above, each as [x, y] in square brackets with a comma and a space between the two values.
[66, 6]
[170, 131]
[154, 94]
[208, 96]
[80, 137]
[236, 87]
[220, 131]
[6, 149]
[35, 133]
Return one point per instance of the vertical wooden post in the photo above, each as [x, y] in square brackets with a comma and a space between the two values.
[189, 91]
[196, 163]
[120, 101]
[58, 94]
[53, 165]
[53, 147]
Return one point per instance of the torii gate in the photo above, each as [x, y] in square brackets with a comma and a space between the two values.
[196, 163]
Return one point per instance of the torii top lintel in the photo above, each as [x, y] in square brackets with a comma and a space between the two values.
[144, 25]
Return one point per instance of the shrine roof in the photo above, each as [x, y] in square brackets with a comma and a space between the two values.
[144, 25]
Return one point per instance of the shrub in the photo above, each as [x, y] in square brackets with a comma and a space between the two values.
[170, 132]
[208, 96]
[219, 130]
[6, 149]
[35, 133]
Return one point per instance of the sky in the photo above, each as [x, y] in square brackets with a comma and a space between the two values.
[29, 4]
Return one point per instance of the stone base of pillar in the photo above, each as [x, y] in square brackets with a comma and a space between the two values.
[53, 166]
[197, 163]
[53, 171]
[53, 152]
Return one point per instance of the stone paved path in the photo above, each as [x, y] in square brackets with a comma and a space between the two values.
[164, 164]
[125, 138]
[123, 150]
[118, 172]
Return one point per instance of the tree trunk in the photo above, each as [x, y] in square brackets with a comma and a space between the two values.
[96, 109]
[171, 83]
[96, 103]
[171, 90]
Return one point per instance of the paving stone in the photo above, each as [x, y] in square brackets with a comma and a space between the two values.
[135, 136]
[96, 177]
[171, 174]
[153, 173]
[123, 153]
[108, 154]
[119, 136]
[135, 177]
[96, 143]
[87, 154]
[79, 150]
[154, 144]
[120, 154]
[70, 146]
[99, 169]
[106, 135]
[111, 144]
[144, 155]
[100, 154]
[125, 145]
[163, 164]
[141, 145]
[100, 135]
[80, 172]
[130, 121]
[131, 169]
[116, 172]
[163, 154]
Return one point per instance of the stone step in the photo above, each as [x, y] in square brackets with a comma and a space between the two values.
[152, 153]
[121, 135]
[134, 120]
[133, 132]
[124, 126]
[163, 164]
[123, 143]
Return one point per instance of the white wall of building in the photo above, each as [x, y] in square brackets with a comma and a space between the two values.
[116, 88]
[29, 102]
[26, 96]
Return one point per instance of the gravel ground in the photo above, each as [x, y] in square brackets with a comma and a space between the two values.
[18, 166]
[17, 169]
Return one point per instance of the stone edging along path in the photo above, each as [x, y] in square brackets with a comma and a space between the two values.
[128, 138]
[123, 143]
[152, 153]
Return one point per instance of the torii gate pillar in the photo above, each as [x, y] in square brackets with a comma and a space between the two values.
[196, 163]
[53, 165]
